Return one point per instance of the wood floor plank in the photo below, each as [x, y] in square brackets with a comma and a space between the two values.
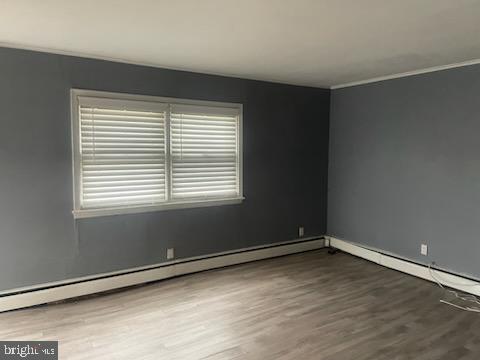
[305, 306]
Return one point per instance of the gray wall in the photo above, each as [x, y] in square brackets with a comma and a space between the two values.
[405, 167]
[285, 170]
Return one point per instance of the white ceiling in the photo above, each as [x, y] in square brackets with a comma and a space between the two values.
[305, 42]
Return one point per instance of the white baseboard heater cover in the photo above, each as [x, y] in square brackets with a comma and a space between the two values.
[454, 281]
[45, 293]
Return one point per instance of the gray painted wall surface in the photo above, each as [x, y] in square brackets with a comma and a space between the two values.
[405, 167]
[285, 170]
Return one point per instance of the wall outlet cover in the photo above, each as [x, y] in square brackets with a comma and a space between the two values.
[424, 249]
[301, 231]
[170, 253]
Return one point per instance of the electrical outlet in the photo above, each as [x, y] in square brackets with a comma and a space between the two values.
[424, 249]
[170, 253]
[301, 231]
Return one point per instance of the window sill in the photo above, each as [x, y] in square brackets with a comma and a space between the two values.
[88, 213]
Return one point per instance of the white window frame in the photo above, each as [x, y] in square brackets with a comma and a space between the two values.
[79, 212]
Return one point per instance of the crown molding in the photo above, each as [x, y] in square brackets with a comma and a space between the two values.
[408, 73]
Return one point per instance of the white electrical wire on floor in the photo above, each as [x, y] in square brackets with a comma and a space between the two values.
[449, 282]
[461, 296]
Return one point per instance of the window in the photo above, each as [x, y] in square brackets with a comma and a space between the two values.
[136, 153]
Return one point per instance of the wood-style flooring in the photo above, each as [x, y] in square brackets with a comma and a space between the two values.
[305, 306]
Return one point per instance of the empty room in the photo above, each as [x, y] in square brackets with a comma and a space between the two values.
[240, 179]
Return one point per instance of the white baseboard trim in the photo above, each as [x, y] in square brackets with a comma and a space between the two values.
[51, 292]
[450, 280]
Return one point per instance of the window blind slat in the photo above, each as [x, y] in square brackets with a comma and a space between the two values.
[129, 192]
[211, 194]
[123, 200]
[201, 132]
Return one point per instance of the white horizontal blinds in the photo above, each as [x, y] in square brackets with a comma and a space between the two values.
[204, 152]
[122, 149]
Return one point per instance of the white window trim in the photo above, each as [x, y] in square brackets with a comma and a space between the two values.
[79, 213]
